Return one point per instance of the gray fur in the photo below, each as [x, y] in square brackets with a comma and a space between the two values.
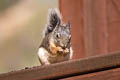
[60, 35]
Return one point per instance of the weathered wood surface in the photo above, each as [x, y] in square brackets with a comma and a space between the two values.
[95, 26]
[66, 69]
[112, 74]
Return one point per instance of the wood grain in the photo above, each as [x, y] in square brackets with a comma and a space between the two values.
[95, 26]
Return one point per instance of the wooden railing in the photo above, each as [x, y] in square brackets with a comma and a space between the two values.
[103, 67]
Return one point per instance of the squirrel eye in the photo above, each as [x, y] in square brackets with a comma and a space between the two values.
[58, 35]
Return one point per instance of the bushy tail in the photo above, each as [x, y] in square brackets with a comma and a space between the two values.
[54, 18]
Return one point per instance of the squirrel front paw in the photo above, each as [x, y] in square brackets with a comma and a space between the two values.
[58, 50]
[64, 51]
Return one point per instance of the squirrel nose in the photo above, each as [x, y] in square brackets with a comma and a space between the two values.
[63, 47]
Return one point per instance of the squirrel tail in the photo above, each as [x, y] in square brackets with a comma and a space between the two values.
[54, 18]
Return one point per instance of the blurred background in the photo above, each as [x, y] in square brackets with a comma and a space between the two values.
[21, 26]
[95, 29]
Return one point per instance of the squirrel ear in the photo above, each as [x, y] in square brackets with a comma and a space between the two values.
[68, 25]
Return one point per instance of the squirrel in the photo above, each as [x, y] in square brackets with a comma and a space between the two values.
[56, 43]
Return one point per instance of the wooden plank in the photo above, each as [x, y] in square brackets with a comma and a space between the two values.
[89, 26]
[95, 27]
[113, 16]
[113, 74]
[66, 69]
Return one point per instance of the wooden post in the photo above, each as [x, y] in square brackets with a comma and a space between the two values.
[72, 10]
[95, 26]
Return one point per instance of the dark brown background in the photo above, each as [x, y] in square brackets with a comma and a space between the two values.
[95, 25]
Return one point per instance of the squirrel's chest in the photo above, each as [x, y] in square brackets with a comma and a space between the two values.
[47, 58]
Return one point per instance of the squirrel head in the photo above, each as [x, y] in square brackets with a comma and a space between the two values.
[58, 32]
[61, 35]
